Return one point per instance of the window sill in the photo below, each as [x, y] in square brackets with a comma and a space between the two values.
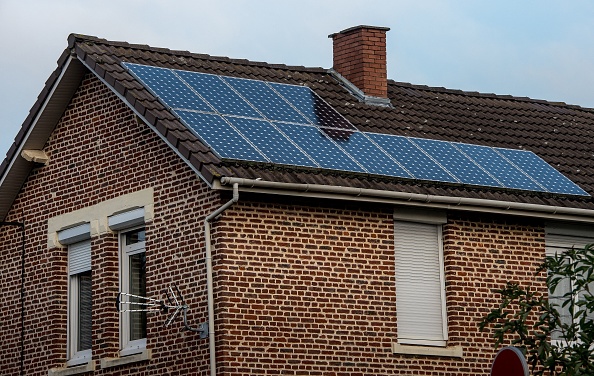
[75, 370]
[448, 351]
[145, 354]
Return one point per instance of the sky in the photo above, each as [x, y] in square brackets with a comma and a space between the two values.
[541, 49]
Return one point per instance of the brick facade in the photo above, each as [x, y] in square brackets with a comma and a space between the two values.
[302, 287]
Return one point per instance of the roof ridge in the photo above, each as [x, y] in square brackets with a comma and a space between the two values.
[82, 38]
[489, 95]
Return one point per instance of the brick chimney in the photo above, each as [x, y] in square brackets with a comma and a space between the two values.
[360, 57]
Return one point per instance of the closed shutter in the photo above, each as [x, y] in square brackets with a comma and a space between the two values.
[79, 257]
[420, 297]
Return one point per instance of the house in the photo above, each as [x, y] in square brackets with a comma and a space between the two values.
[315, 221]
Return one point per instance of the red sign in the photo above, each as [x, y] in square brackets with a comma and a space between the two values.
[509, 361]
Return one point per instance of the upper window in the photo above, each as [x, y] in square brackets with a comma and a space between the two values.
[420, 285]
[559, 238]
[133, 282]
[79, 303]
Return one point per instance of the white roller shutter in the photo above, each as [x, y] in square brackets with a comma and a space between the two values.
[420, 294]
[558, 239]
[79, 257]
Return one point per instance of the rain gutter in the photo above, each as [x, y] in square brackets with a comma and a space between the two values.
[409, 199]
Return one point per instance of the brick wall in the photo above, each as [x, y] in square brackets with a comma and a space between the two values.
[301, 287]
[98, 152]
[309, 288]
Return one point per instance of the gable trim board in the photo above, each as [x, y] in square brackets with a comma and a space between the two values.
[37, 128]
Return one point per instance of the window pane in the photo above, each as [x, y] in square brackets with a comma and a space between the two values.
[137, 287]
[135, 237]
[84, 311]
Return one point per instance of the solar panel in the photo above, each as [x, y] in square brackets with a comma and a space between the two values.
[411, 157]
[312, 106]
[266, 100]
[220, 95]
[168, 87]
[323, 150]
[541, 172]
[369, 155]
[220, 136]
[273, 144]
[499, 167]
[259, 121]
[458, 164]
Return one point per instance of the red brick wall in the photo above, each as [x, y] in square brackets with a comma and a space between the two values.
[360, 57]
[301, 287]
[98, 152]
[310, 289]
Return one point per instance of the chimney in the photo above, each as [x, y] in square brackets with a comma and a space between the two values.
[360, 57]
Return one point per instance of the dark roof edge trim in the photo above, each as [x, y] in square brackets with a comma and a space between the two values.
[357, 93]
[409, 199]
[13, 167]
[122, 97]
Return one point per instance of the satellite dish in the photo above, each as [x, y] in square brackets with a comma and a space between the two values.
[509, 361]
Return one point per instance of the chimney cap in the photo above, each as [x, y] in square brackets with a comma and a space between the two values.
[350, 29]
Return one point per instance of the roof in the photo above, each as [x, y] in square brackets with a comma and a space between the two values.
[561, 134]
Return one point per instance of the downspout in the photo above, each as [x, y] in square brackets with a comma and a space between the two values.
[21, 225]
[209, 279]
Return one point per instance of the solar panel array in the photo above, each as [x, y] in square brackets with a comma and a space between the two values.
[251, 120]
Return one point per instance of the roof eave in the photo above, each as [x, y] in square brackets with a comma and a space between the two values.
[37, 128]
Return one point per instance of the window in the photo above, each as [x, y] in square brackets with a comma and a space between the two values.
[79, 303]
[559, 238]
[420, 285]
[133, 281]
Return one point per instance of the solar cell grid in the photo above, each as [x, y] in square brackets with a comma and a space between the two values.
[312, 106]
[542, 172]
[465, 170]
[498, 167]
[169, 87]
[266, 100]
[220, 136]
[218, 94]
[323, 150]
[370, 156]
[411, 157]
[273, 144]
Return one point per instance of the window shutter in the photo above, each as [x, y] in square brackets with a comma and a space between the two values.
[79, 257]
[419, 284]
[556, 242]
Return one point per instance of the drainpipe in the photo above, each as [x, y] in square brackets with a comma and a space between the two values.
[209, 282]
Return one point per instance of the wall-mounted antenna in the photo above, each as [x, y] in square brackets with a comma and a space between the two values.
[126, 302]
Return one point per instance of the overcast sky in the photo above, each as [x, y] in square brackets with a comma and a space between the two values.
[541, 49]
